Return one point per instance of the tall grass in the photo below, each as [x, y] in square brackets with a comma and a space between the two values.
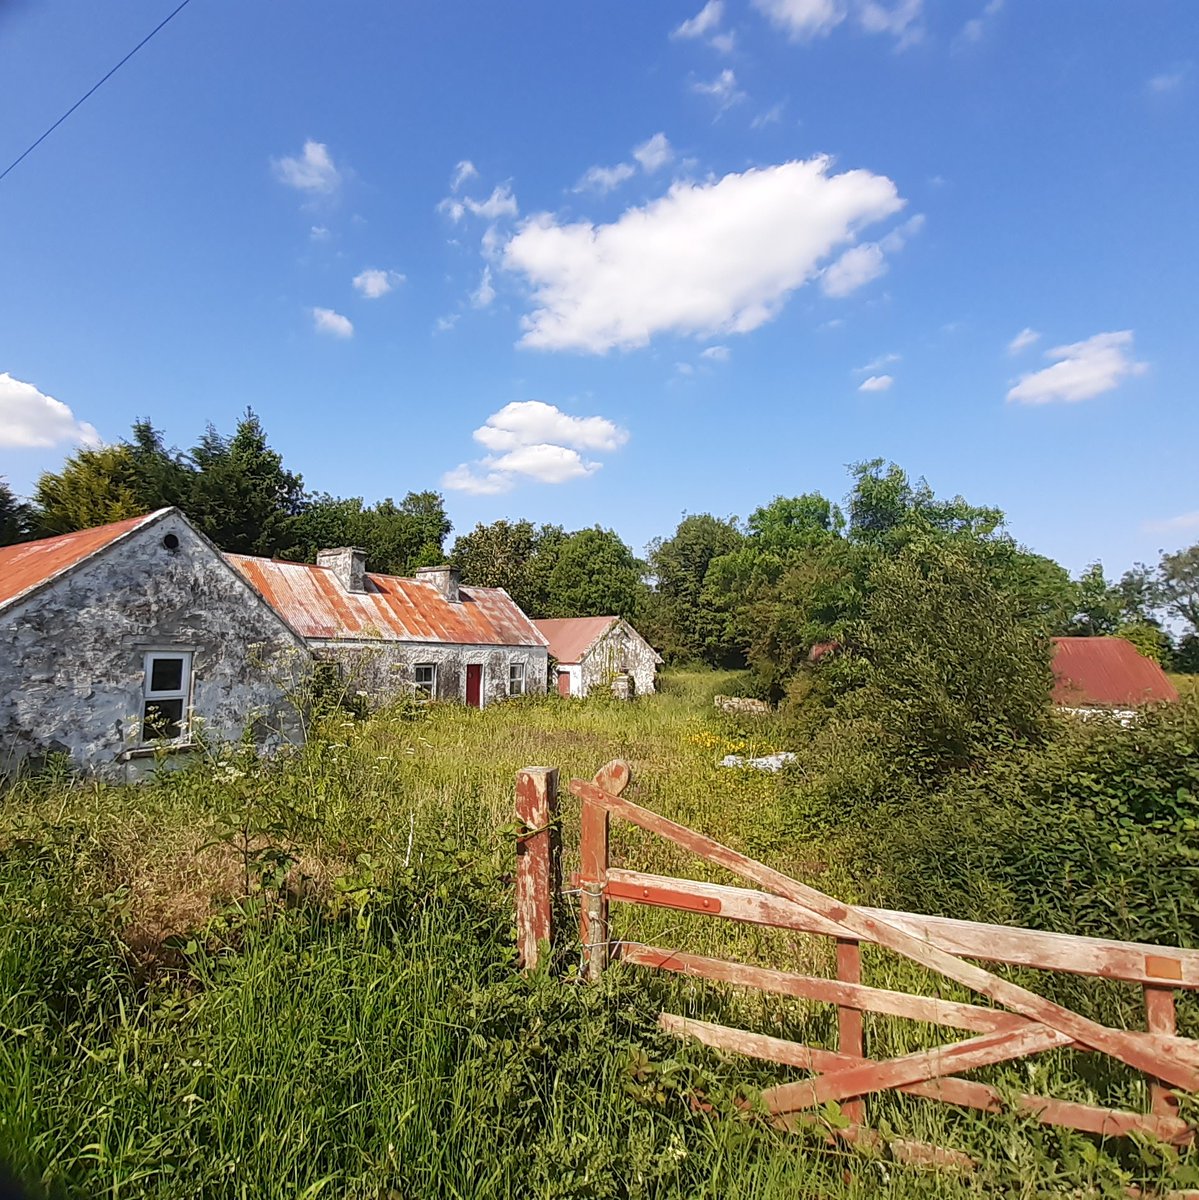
[299, 980]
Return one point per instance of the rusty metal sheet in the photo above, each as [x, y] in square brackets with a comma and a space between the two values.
[1106, 671]
[28, 564]
[570, 638]
[312, 600]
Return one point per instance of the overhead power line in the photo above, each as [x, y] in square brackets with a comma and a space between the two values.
[29, 150]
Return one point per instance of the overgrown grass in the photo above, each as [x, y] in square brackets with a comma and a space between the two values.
[299, 980]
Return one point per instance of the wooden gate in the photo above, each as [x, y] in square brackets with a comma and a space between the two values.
[1026, 1024]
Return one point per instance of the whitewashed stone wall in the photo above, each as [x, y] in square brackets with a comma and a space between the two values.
[383, 671]
[622, 650]
[72, 655]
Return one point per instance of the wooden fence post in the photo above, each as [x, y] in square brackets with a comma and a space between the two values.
[1159, 1013]
[537, 869]
[593, 878]
[849, 1020]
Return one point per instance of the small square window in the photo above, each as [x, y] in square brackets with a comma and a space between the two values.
[166, 675]
[424, 675]
[166, 691]
[516, 679]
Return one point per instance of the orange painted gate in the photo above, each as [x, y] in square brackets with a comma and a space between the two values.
[1025, 1023]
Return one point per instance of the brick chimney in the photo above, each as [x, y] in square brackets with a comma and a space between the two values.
[444, 578]
[348, 563]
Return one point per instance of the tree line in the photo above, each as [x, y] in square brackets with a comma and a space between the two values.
[237, 490]
[769, 592]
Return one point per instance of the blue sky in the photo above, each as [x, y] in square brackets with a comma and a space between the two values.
[663, 257]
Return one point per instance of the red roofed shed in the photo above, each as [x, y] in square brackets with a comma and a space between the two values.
[1106, 672]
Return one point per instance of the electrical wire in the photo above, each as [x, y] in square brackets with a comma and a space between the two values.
[96, 87]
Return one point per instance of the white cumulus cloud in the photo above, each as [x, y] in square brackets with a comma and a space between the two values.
[876, 383]
[528, 422]
[325, 320]
[311, 171]
[1082, 370]
[1025, 338]
[720, 256]
[31, 420]
[532, 440]
[373, 283]
[707, 20]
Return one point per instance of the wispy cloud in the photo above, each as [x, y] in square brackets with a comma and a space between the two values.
[533, 441]
[501, 203]
[716, 354]
[484, 294]
[1025, 338]
[803, 20]
[723, 89]
[326, 321]
[772, 116]
[605, 179]
[876, 383]
[312, 171]
[1082, 370]
[654, 153]
[1169, 81]
[705, 21]
[464, 171]
[31, 420]
[975, 29]
[1183, 523]
[651, 155]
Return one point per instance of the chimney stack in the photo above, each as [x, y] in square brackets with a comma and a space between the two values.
[444, 578]
[348, 563]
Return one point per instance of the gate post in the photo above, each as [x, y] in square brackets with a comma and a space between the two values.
[537, 866]
[849, 1020]
[593, 879]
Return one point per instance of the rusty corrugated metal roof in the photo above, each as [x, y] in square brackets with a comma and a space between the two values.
[28, 565]
[313, 601]
[571, 637]
[1106, 672]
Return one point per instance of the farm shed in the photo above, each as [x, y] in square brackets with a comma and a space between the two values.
[127, 642]
[1107, 673]
[592, 651]
[395, 636]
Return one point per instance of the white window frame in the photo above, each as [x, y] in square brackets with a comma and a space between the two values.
[181, 693]
[430, 689]
[524, 678]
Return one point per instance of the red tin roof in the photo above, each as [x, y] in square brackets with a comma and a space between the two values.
[312, 601]
[29, 564]
[1106, 672]
[571, 637]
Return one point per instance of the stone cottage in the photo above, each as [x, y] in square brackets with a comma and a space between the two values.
[394, 636]
[127, 643]
[600, 652]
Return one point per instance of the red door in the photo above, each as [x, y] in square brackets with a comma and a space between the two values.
[563, 683]
[474, 685]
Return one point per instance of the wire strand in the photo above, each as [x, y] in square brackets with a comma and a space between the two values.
[95, 87]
